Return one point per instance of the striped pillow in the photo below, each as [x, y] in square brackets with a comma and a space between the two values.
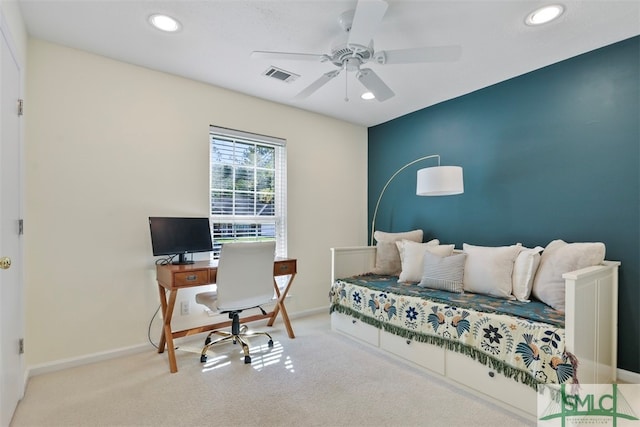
[445, 273]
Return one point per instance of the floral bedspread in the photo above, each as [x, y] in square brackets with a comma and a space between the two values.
[529, 351]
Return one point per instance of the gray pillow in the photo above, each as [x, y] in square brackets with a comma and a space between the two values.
[445, 273]
[387, 255]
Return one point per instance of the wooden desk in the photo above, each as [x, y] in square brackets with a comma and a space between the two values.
[173, 277]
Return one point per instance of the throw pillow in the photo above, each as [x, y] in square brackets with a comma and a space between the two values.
[444, 273]
[560, 257]
[387, 255]
[412, 257]
[488, 270]
[524, 270]
[400, 245]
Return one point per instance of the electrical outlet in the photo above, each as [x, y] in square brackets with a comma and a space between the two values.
[184, 308]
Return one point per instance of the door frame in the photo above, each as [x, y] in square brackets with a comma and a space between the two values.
[7, 39]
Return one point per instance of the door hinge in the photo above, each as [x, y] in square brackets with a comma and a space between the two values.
[20, 227]
[21, 346]
[20, 107]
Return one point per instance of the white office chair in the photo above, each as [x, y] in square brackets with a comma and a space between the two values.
[244, 281]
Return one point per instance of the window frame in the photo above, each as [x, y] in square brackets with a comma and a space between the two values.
[279, 218]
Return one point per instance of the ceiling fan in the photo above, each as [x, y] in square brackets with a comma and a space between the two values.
[354, 48]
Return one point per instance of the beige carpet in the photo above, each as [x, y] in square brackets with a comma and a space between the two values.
[318, 379]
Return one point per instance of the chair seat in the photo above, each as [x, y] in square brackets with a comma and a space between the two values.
[244, 281]
[208, 299]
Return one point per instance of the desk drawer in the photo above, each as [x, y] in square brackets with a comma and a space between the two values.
[283, 268]
[191, 278]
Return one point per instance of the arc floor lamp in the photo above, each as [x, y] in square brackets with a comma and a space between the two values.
[432, 181]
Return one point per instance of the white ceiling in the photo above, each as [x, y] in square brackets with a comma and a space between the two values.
[218, 36]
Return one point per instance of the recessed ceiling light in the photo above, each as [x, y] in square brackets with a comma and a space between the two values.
[367, 96]
[544, 14]
[164, 23]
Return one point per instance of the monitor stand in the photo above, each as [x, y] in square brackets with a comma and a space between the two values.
[182, 260]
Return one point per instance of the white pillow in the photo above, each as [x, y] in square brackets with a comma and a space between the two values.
[524, 270]
[400, 245]
[488, 270]
[560, 257]
[444, 273]
[387, 256]
[412, 258]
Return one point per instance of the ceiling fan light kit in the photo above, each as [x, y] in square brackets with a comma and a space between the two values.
[354, 47]
[376, 86]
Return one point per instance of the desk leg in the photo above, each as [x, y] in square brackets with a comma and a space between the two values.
[280, 307]
[167, 334]
[163, 308]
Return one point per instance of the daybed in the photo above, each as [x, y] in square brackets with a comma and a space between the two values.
[498, 348]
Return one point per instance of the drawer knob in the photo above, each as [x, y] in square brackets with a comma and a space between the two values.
[492, 374]
[191, 277]
[284, 267]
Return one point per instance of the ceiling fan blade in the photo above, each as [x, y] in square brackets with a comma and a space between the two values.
[420, 54]
[324, 79]
[374, 84]
[289, 55]
[366, 20]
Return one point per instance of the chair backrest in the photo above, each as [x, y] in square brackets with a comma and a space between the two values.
[245, 275]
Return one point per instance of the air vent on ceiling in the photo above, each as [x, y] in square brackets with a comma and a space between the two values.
[280, 74]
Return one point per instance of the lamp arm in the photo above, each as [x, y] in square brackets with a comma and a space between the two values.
[375, 211]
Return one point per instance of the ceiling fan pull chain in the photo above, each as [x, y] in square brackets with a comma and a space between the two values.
[346, 83]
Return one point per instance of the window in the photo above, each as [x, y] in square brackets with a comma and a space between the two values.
[248, 188]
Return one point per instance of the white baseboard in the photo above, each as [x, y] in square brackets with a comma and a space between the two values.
[59, 365]
[624, 376]
[311, 312]
[628, 377]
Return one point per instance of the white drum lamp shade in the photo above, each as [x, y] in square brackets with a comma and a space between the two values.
[440, 181]
[433, 181]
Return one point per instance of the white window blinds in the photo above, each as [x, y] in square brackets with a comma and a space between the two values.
[248, 188]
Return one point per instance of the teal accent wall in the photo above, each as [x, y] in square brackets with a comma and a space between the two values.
[552, 154]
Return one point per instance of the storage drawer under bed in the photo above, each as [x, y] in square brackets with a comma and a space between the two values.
[355, 328]
[470, 373]
[426, 355]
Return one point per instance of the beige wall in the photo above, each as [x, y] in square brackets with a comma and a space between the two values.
[109, 144]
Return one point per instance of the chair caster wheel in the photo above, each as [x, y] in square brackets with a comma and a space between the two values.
[203, 358]
[270, 343]
[207, 341]
[247, 359]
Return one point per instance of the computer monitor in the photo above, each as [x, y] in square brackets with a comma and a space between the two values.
[180, 236]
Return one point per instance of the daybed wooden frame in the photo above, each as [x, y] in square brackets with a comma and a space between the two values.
[590, 334]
